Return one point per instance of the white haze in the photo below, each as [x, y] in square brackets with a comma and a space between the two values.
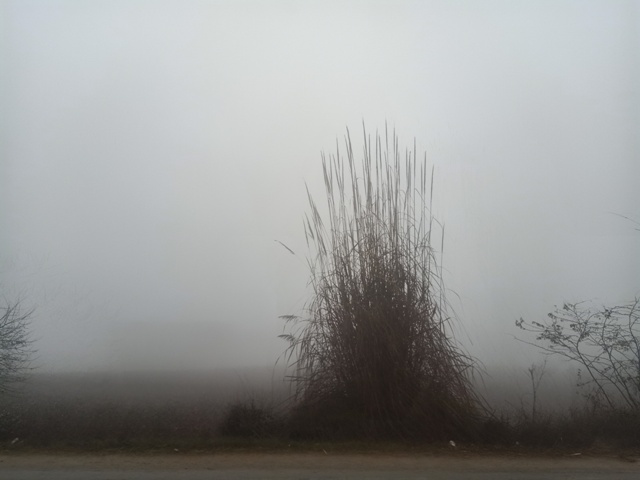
[152, 152]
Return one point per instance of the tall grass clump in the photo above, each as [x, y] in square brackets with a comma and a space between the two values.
[375, 355]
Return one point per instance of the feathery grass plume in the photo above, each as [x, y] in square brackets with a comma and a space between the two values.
[376, 356]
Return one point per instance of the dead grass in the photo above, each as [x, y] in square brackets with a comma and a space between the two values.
[74, 426]
[375, 354]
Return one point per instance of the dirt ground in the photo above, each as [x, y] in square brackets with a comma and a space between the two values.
[268, 461]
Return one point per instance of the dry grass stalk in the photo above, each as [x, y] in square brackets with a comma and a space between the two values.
[376, 355]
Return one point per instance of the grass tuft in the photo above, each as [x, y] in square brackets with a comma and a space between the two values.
[375, 355]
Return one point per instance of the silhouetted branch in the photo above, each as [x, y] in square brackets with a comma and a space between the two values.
[606, 342]
[15, 345]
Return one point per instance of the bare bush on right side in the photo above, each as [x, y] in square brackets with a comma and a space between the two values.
[605, 343]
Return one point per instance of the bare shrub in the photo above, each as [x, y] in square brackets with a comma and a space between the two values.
[605, 342]
[536, 372]
[248, 419]
[15, 345]
[375, 355]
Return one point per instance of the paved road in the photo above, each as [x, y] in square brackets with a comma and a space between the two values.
[309, 466]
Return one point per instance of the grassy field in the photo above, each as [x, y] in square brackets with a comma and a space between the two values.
[246, 411]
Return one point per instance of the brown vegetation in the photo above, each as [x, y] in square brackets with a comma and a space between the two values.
[375, 356]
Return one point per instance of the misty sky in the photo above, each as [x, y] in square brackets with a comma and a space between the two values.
[152, 152]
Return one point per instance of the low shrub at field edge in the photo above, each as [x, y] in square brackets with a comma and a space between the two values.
[576, 429]
[248, 419]
[76, 423]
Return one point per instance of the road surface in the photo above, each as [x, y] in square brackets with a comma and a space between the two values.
[312, 466]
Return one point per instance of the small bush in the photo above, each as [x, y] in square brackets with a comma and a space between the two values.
[605, 342]
[248, 420]
[577, 429]
[497, 431]
[15, 346]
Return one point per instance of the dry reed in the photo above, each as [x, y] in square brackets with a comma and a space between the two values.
[375, 354]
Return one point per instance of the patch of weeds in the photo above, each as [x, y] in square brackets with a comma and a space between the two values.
[248, 419]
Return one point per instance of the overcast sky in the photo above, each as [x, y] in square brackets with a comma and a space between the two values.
[151, 152]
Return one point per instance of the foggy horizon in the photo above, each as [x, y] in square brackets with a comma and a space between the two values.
[154, 154]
